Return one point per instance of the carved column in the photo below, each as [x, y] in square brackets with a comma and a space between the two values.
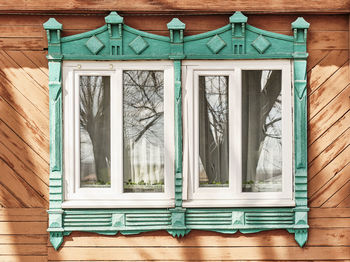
[300, 55]
[115, 29]
[53, 30]
[238, 22]
[176, 28]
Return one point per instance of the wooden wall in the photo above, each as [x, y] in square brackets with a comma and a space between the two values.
[24, 149]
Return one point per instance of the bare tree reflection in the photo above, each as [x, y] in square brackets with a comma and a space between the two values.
[262, 130]
[213, 130]
[143, 93]
[95, 120]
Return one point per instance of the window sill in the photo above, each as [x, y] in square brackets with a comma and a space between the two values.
[118, 204]
[240, 203]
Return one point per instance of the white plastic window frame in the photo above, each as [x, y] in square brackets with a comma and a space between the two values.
[232, 196]
[113, 197]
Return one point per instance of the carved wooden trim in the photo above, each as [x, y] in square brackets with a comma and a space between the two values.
[117, 41]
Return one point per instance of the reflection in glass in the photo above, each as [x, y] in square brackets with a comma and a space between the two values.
[143, 116]
[94, 92]
[213, 131]
[262, 131]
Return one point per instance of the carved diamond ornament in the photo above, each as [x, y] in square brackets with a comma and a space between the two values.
[138, 45]
[261, 44]
[94, 45]
[216, 44]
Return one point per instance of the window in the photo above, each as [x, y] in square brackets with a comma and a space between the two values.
[177, 133]
[118, 134]
[239, 131]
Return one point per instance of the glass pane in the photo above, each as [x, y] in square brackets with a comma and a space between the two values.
[213, 131]
[95, 160]
[143, 96]
[262, 131]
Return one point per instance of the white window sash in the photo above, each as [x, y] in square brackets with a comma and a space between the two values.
[193, 195]
[114, 196]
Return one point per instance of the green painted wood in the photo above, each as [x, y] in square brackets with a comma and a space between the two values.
[300, 27]
[53, 30]
[117, 41]
[178, 134]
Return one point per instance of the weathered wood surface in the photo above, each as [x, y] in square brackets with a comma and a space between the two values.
[154, 6]
[23, 234]
[24, 148]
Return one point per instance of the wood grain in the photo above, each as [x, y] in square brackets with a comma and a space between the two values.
[161, 6]
[202, 253]
[24, 133]
[328, 137]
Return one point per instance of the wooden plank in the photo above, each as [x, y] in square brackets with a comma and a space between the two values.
[28, 250]
[7, 199]
[195, 238]
[328, 90]
[315, 57]
[327, 67]
[329, 115]
[38, 182]
[24, 105]
[32, 70]
[316, 6]
[19, 258]
[29, 157]
[317, 237]
[26, 31]
[327, 173]
[331, 134]
[33, 136]
[17, 186]
[23, 239]
[158, 22]
[21, 43]
[39, 59]
[327, 40]
[23, 228]
[12, 63]
[329, 212]
[330, 194]
[27, 214]
[342, 192]
[329, 154]
[329, 222]
[202, 253]
[18, 77]
[345, 202]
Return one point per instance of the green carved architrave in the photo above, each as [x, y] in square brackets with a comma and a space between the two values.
[53, 29]
[117, 41]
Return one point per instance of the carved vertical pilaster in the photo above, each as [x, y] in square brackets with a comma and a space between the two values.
[300, 55]
[53, 30]
[178, 134]
[176, 28]
[115, 30]
[238, 22]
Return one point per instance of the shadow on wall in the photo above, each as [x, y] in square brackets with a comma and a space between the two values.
[24, 162]
[24, 154]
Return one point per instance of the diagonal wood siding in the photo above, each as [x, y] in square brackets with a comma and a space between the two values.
[24, 151]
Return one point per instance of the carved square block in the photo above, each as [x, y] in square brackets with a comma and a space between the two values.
[118, 220]
[138, 45]
[216, 44]
[94, 45]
